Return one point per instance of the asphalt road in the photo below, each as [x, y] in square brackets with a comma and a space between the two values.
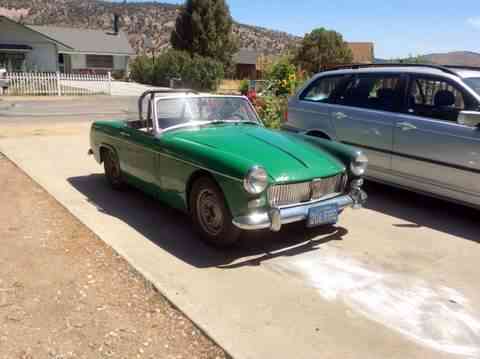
[398, 279]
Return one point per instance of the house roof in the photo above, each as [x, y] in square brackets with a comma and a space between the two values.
[86, 40]
[245, 57]
[363, 52]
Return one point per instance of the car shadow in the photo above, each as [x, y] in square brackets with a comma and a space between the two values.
[172, 230]
[423, 211]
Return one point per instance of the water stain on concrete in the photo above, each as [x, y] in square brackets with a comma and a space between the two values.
[433, 315]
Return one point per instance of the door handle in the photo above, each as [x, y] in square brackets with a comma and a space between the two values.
[340, 115]
[406, 126]
[124, 134]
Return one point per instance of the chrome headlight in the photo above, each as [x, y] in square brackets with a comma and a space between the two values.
[359, 165]
[256, 180]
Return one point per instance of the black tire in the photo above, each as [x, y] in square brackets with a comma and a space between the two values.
[211, 217]
[113, 173]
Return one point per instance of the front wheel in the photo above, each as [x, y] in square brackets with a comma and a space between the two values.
[210, 215]
[112, 170]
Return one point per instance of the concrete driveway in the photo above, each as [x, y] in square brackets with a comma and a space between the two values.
[398, 279]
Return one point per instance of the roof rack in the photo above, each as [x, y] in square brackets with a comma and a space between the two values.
[460, 67]
[445, 69]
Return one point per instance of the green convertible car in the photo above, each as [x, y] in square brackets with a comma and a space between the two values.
[211, 157]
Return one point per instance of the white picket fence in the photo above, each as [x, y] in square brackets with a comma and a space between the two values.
[58, 84]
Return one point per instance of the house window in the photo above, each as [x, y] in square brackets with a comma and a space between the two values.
[12, 61]
[100, 61]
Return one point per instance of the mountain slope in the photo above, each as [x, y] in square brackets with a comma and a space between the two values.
[139, 20]
[462, 58]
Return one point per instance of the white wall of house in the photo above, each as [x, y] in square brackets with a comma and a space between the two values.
[42, 57]
[120, 63]
[79, 61]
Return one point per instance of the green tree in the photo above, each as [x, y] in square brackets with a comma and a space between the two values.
[204, 28]
[322, 48]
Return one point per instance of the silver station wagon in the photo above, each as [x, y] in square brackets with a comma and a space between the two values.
[418, 124]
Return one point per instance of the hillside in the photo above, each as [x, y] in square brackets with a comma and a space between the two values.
[139, 20]
[462, 58]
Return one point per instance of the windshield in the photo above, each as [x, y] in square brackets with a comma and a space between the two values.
[474, 83]
[179, 111]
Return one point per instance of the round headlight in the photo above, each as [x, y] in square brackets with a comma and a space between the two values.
[359, 165]
[256, 180]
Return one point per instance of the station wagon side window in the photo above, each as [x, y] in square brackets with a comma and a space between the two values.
[436, 98]
[323, 89]
[373, 91]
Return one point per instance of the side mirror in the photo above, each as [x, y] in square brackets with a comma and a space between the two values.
[469, 118]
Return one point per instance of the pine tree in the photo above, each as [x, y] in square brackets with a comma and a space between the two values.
[204, 27]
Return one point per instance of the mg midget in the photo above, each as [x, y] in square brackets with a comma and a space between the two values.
[211, 157]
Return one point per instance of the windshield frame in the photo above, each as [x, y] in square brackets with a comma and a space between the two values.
[192, 123]
[471, 81]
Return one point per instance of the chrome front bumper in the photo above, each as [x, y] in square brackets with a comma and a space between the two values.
[274, 218]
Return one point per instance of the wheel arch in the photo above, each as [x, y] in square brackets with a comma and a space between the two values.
[318, 133]
[106, 147]
[191, 180]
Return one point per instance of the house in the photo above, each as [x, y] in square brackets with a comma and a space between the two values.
[69, 50]
[245, 61]
[363, 52]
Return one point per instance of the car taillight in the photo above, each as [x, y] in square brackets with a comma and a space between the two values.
[285, 116]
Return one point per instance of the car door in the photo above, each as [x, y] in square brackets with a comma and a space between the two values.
[431, 150]
[364, 116]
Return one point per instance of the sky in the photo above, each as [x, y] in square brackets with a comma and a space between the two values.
[398, 28]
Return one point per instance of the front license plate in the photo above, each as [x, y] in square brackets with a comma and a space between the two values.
[326, 214]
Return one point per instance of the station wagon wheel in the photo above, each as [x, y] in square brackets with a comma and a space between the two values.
[210, 215]
[112, 169]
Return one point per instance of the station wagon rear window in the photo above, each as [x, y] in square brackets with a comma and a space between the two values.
[322, 89]
[474, 83]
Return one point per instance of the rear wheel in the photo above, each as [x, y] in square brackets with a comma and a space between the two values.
[210, 215]
[112, 169]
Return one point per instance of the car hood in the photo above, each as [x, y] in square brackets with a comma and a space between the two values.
[286, 157]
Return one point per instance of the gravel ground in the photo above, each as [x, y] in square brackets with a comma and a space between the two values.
[65, 294]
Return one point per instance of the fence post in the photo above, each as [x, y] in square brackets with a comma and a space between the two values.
[59, 88]
[109, 74]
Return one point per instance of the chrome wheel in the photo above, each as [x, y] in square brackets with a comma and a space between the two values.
[210, 212]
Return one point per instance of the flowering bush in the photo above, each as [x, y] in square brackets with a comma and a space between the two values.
[283, 80]
[271, 110]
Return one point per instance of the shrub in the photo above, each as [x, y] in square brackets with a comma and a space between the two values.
[141, 70]
[118, 75]
[203, 73]
[271, 110]
[170, 64]
[244, 86]
[199, 73]
[283, 78]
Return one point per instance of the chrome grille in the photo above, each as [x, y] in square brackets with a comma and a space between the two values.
[325, 186]
[287, 194]
[284, 194]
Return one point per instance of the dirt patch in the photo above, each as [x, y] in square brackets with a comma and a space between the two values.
[65, 294]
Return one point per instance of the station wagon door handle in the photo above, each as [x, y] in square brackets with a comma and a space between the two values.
[124, 134]
[406, 126]
[340, 115]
